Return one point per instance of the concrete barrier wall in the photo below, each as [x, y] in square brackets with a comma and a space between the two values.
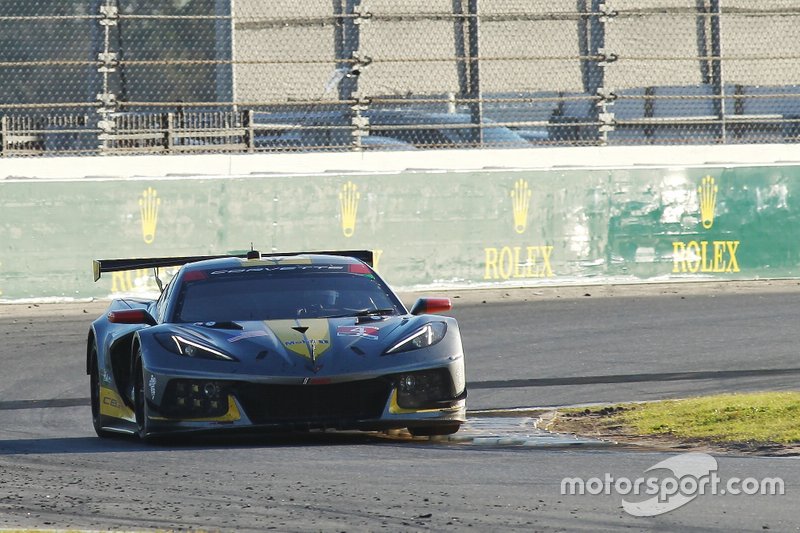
[429, 228]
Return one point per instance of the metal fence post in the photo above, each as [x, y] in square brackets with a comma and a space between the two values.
[108, 62]
[460, 47]
[349, 61]
[592, 41]
[702, 40]
[717, 82]
[347, 41]
[467, 50]
[93, 78]
[474, 73]
[223, 30]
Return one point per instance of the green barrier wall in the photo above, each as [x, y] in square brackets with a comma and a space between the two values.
[465, 229]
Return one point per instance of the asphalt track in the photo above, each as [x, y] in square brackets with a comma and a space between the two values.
[54, 473]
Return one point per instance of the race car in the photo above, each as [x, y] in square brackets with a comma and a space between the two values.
[256, 342]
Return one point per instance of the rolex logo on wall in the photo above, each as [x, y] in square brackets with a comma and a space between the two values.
[518, 258]
[520, 203]
[348, 206]
[706, 256]
[148, 211]
[707, 195]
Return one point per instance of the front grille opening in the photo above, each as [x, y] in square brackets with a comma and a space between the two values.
[336, 404]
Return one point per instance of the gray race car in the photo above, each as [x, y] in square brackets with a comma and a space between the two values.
[273, 342]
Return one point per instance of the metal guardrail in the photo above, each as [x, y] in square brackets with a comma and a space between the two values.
[173, 132]
[176, 132]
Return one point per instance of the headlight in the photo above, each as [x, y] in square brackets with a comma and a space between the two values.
[427, 335]
[189, 348]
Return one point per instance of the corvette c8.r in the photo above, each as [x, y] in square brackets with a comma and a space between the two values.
[273, 342]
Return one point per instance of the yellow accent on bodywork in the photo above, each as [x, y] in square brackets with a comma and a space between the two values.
[111, 405]
[395, 409]
[317, 335]
[232, 415]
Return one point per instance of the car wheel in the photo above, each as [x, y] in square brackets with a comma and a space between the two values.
[140, 400]
[434, 431]
[94, 386]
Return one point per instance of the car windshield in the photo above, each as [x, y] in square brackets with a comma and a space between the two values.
[319, 291]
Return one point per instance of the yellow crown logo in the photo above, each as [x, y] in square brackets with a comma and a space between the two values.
[520, 202]
[707, 192]
[148, 209]
[348, 203]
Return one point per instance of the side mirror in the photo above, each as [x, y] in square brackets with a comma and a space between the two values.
[425, 306]
[131, 316]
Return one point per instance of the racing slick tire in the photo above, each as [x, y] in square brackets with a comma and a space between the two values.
[94, 386]
[141, 409]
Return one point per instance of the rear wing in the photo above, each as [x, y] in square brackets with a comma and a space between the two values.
[101, 266]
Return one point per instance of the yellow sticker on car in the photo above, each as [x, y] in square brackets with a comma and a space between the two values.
[111, 405]
[309, 338]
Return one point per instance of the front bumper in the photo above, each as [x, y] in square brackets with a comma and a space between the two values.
[378, 403]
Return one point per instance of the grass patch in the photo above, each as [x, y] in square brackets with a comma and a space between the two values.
[771, 417]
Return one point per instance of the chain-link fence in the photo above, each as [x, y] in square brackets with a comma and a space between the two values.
[178, 76]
